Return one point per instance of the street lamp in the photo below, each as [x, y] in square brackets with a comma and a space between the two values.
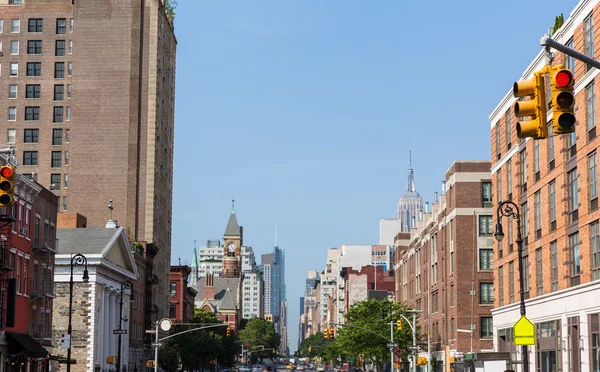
[510, 209]
[77, 260]
[124, 285]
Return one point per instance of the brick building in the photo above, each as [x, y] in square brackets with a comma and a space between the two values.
[555, 184]
[446, 267]
[27, 249]
[357, 283]
[181, 296]
[92, 120]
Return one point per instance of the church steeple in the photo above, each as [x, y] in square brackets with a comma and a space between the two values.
[232, 229]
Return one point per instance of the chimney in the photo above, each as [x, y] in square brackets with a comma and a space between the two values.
[435, 197]
[209, 290]
[420, 214]
[426, 207]
[443, 187]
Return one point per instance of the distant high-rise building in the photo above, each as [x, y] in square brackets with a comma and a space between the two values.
[96, 123]
[410, 204]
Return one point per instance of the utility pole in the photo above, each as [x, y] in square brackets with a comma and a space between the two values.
[391, 345]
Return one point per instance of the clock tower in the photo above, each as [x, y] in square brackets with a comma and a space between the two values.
[232, 248]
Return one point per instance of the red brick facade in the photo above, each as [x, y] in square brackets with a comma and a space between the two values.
[181, 296]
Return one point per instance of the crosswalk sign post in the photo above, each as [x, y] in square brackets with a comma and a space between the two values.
[524, 332]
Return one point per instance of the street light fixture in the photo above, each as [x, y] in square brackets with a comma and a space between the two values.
[124, 285]
[77, 260]
[510, 209]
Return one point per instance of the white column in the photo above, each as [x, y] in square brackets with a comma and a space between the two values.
[113, 324]
[100, 327]
[105, 323]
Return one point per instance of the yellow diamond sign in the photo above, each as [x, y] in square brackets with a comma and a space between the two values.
[524, 332]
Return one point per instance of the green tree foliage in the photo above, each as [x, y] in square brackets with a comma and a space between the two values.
[313, 346]
[170, 6]
[168, 358]
[558, 22]
[259, 332]
[374, 315]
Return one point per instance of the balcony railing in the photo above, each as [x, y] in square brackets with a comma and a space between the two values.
[41, 288]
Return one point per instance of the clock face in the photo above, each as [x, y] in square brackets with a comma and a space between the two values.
[231, 247]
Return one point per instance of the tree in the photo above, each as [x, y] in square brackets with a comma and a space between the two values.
[259, 332]
[313, 346]
[558, 22]
[374, 315]
[168, 358]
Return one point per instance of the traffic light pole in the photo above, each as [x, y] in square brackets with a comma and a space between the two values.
[391, 345]
[548, 42]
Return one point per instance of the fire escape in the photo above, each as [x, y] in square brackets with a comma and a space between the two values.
[42, 287]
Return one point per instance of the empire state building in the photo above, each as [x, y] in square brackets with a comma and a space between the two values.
[410, 203]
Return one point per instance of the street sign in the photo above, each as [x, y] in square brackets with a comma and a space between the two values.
[410, 347]
[150, 331]
[524, 332]
[156, 344]
[119, 331]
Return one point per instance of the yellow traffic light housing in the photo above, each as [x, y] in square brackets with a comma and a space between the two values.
[535, 107]
[326, 333]
[399, 324]
[228, 331]
[563, 100]
[7, 185]
[331, 333]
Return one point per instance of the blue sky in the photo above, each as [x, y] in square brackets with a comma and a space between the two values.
[304, 109]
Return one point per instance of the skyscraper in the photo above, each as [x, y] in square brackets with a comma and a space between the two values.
[95, 123]
[410, 203]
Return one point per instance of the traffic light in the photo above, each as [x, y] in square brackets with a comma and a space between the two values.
[65, 340]
[7, 185]
[332, 333]
[535, 107]
[563, 100]
[399, 324]
[326, 333]
[150, 363]
[228, 331]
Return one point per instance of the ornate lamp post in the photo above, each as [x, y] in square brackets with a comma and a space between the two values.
[77, 260]
[124, 285]
[510, 209]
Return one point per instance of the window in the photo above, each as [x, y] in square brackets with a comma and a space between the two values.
[554, 265]
[71, 25]
[64, 202]
[32, 113]
[486, 293]
[61, 26]
[34, 47]
[25, 275]
[68, 136]
[172, 311]
[59, 70]
[56, 159]
[35, 25]
[14, 69]
[12, 91]
[1, 25]
[60, 48]
[487, 329]
[593, 180]
[498, 139]
[66, 181]
[14, 47]
[56, 137]
[32, 91]
[34, 69]
[499, 185]
[66, 160]
[68, 113]
[588, 30]
[12, 113]
[486, 194]
[69, 69]
[590, 107]
[54, 183]
[30, 157]
[19, 259]
[486, 259]
[552, 204]
[511, 282]
[59, 92]
[594, 320]
[539, 272]
[70, 46]
[550, 142]
[509, 184]
[523, 170]
[537, 198]
[11, 136]
[525, 220]
[15, 26]
[507, 129]
[58, 114]
[536, 159]
[501, 286]
[575, 258]
[573, 195]
[526, 275]
[31, 136]
[595, 249]
[569, 61]
[173, 289]
[69, 90]
[485, 225]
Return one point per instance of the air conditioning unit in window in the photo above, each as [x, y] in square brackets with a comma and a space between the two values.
[23, 231]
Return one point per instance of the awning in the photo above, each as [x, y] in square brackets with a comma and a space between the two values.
[19, 342]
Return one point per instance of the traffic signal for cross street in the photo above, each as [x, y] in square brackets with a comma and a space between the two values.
[399, 324]
[7, 185]
[326, 333]
[563, 100]
[228, 331]
[534, 107]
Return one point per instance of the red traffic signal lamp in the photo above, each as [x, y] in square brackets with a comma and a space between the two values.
[7, 185]
[563, 100]
[535, 107]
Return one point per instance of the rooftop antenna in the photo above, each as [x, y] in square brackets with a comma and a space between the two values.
[276, 232]
[110, 206]
[179, 261]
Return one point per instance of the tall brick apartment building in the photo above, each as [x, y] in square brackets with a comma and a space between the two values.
[88, 103]
[445, 267]
[555, 183]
